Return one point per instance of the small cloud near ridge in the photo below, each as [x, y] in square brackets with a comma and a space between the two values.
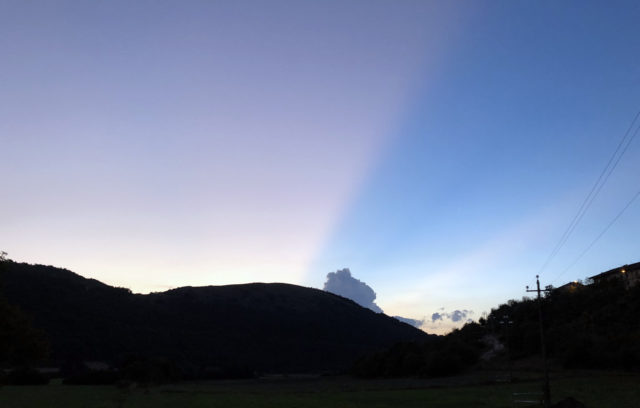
[455, 316]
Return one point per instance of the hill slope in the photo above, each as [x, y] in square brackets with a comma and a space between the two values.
[586, 326]
[267, 327]
[592, 326]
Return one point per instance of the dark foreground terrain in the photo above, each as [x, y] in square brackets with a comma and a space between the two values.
[595, 390]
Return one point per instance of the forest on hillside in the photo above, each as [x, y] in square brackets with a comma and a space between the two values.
[61, 319]
[54, 316]
[591, 326]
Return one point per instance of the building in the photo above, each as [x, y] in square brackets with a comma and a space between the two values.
[570, 287]
[629, 274]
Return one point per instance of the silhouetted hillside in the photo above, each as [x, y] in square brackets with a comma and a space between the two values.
[592, 326]
[266, 327]
[586, 326]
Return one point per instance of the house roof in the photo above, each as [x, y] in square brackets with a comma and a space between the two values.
[617, 270]
[570, 285]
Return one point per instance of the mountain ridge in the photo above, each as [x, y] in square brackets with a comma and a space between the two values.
[270, 327]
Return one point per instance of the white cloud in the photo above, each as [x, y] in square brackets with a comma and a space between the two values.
[342, 283]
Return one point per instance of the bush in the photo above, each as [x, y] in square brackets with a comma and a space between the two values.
[151, 370]
[439, 356]
[26, 376]
[93, 377]
[442, 365]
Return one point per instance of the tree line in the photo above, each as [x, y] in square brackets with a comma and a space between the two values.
[591, 326]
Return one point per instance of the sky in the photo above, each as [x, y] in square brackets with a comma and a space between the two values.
[438, 150]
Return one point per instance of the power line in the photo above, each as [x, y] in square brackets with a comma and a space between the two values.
[595, 190]
[613, 221]
[616, 163]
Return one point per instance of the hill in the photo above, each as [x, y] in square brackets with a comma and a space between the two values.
[586, 326]
[271, 327]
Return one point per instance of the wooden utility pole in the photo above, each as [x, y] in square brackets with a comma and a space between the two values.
[546, 387]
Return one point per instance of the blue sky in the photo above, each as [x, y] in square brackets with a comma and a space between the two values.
[495, 157]
[437, 149]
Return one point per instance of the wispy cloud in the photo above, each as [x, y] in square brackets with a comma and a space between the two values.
[455, 316]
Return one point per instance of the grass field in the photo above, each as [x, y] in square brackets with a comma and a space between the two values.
[596, 390]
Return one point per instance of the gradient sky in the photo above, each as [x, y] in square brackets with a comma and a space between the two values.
[437, 149]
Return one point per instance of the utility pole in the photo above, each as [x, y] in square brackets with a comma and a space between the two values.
[546, 387]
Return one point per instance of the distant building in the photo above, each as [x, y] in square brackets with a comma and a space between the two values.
[570, 287]
[629, 274]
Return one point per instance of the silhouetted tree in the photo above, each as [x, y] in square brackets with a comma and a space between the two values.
[587, 326]
[20, 343]
[436, 357]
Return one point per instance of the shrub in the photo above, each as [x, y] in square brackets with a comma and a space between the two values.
[26, 376]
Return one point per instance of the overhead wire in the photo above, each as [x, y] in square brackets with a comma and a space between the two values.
[611, 165]
[613, 221]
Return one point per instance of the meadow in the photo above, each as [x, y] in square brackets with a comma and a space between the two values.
[596, 390]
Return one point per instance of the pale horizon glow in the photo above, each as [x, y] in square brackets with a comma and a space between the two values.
[223, 152]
